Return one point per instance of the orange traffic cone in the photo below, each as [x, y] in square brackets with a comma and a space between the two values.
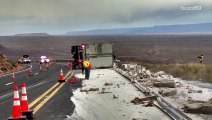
[30, 72]
[73, 80]
[24, 103]
[13, 77]
[16, 114]
[41, 69]
[61, 76]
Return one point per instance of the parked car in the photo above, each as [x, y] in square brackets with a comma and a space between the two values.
[24, 60]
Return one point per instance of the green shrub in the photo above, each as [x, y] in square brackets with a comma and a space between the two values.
[1, 55]
[3, 68]
[13, 64]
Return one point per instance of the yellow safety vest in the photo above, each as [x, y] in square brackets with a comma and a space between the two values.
[86, 64]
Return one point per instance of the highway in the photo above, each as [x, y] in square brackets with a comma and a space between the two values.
[55, 104]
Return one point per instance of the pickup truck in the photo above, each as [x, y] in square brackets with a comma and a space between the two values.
[24, 60]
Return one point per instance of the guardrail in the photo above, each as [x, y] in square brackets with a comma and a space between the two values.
[166, 107]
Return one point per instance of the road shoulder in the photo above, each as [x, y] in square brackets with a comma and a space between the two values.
[111, 100]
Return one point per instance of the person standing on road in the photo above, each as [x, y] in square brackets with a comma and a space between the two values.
[87, 66]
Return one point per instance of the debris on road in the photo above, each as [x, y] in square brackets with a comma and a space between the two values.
[190, 101]
[115, 97]
[108, 84]
[147, 100]
[194, 91]
[204, 108]
[91, 89]
[103, 91]
[94, 89]
[84, 90]
[169, 84]
[137, 101]
[149, 103]
[168, 92]
[196, 106]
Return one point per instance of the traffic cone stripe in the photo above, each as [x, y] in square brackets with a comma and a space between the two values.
[15, 98]
[24, 97]
[16, 103]
[61, 74]
[16, 95]
[23, 91]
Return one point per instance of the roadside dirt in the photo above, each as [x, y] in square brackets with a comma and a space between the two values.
[8, 66]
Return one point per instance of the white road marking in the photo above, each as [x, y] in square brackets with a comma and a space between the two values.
[68, 116]
[36, 73]
[9, 83]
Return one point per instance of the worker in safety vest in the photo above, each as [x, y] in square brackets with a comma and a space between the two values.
[87, 66]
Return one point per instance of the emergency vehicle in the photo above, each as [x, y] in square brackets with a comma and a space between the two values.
[44, 59]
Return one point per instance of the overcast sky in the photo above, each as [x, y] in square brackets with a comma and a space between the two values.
[60, 16]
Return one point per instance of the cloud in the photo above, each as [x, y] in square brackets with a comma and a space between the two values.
[73, 13]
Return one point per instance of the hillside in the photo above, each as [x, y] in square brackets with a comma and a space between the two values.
[7, 65]
[32, 34]
[160, 29]
[2, 48]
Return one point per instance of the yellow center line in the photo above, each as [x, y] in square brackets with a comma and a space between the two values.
[44, 94]
[47, 98]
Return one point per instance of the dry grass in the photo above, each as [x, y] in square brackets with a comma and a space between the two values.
[8, 66]
[191, 71]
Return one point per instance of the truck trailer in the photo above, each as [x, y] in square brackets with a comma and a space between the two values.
[99, 54]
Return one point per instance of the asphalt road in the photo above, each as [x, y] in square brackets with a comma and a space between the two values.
[56, 108]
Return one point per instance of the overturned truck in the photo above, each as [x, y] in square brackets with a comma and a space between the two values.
[99, 54]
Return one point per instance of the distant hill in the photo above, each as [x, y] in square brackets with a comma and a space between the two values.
[33, 34]
[2, 48]
[161, 29]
